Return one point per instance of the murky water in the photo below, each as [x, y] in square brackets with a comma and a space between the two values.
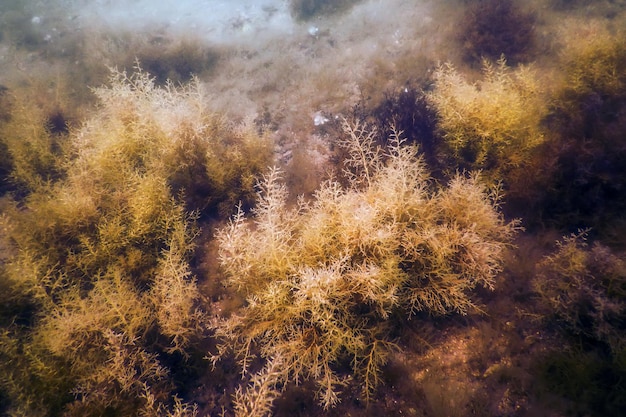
[123, 123]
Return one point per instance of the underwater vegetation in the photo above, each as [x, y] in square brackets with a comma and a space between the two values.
[408, 111]
[585, 287]
[582, 288]
[155, 260]
[33, 137]
[177, 62]
[325, 280]
[103, 248]
[493, 124]
[585, 158]
[565, 127]
[6, 106]
[491, 28]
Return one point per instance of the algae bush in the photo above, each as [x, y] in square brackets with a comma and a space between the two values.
[323, 281]
[494, 124]
[312, 208]
[102, 250]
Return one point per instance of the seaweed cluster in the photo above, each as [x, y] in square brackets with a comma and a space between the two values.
[491, 28]
[155, 262]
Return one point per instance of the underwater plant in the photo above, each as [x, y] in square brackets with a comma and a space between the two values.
[207, 160]
[323, 280]
[584, 163]
[33, 149]
[581, 290]
[408, 110]
[585, 288]
[177, 62]
[101, 253]
[491, 28]
[493, 124]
